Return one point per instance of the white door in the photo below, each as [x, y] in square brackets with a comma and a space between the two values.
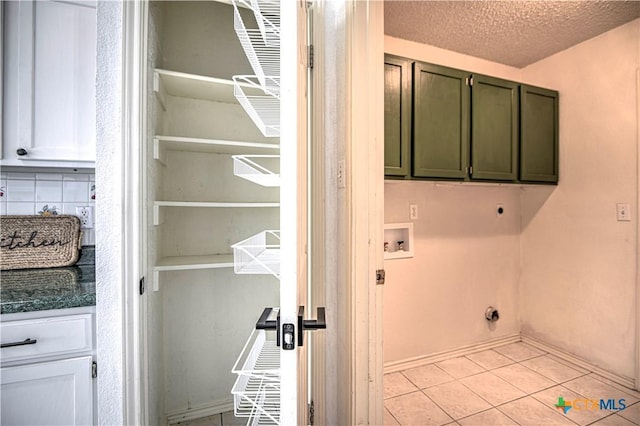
[276, 392]
[293, 208]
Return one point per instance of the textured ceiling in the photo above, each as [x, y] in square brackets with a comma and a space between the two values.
[515, 33]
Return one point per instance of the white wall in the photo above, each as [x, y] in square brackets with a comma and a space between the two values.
[109, 214]
[574, 280]
[578, 262]
[466, 258]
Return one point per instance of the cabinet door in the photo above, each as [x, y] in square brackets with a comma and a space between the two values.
[494, 134]
[440, 122]
[50, 83]
[539, 135]
[397, 116]
[48, 393]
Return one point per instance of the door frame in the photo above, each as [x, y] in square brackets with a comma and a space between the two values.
[361, 208]
[365, 204]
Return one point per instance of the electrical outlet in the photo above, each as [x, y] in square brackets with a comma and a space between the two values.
[624, 215]
[413, 211]
[85, 213]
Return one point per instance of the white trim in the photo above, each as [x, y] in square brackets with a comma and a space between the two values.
[319, 240]
[364, 206]
[205, 410]
[621, 380]
[134, 119]
[392, 367]
[637, 242]
[406, 364]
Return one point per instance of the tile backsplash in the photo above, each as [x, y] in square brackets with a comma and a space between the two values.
[48, 193]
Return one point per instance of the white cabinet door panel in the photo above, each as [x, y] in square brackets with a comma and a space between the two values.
[50, 74]
[48, 393]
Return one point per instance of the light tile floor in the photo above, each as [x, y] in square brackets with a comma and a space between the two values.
[515, 384]
[224, 419]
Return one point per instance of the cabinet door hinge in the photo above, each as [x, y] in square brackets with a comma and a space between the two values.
[310, 56]
[311, 413]
[470, 170]
[94, 369]
[380, 276]
[470, 81]
[141, 288]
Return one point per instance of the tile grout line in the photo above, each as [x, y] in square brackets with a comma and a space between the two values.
[582, 373]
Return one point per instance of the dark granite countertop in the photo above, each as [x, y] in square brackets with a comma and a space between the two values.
[27, 290]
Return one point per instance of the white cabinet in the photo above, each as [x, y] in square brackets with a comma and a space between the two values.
[47, 368]
[48, 393]
[49, 84]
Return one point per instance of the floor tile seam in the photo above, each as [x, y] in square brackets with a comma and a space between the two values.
[434, 364]
[511, 362]
[604, 383]
[469, 359]
[441, 408]
[523, 397]
[542, 390]
[614, 385]
[535, 372]
[606, 417]
[551, 378]
[401, 394]
[525, 359]
[497, 407]
[478, 395]
[524, 394]
[493, 407]
[562, 361]
[391, 414]
[410, 381]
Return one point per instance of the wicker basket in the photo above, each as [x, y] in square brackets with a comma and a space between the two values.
[39, 241]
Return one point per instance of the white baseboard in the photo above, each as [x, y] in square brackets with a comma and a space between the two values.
[205, 410]
[395, 366]
[627, 382]
[392, 367]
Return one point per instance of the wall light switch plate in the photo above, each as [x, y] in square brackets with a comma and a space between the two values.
[623, 212]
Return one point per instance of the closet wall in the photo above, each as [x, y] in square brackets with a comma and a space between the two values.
[199, 312]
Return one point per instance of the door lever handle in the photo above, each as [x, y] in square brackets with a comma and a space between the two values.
[310, 324]
[266, 324]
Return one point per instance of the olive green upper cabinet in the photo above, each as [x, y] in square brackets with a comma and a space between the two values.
[494, 129]
[440, 122]
[397, 116]
[539, 135]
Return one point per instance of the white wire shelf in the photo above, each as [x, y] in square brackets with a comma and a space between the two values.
[258, 169]
[258, 254]
[261, 45]
[267, 13]
[256, 392]
[260, 103]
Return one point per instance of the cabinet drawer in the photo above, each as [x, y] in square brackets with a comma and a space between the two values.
[55, 336]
